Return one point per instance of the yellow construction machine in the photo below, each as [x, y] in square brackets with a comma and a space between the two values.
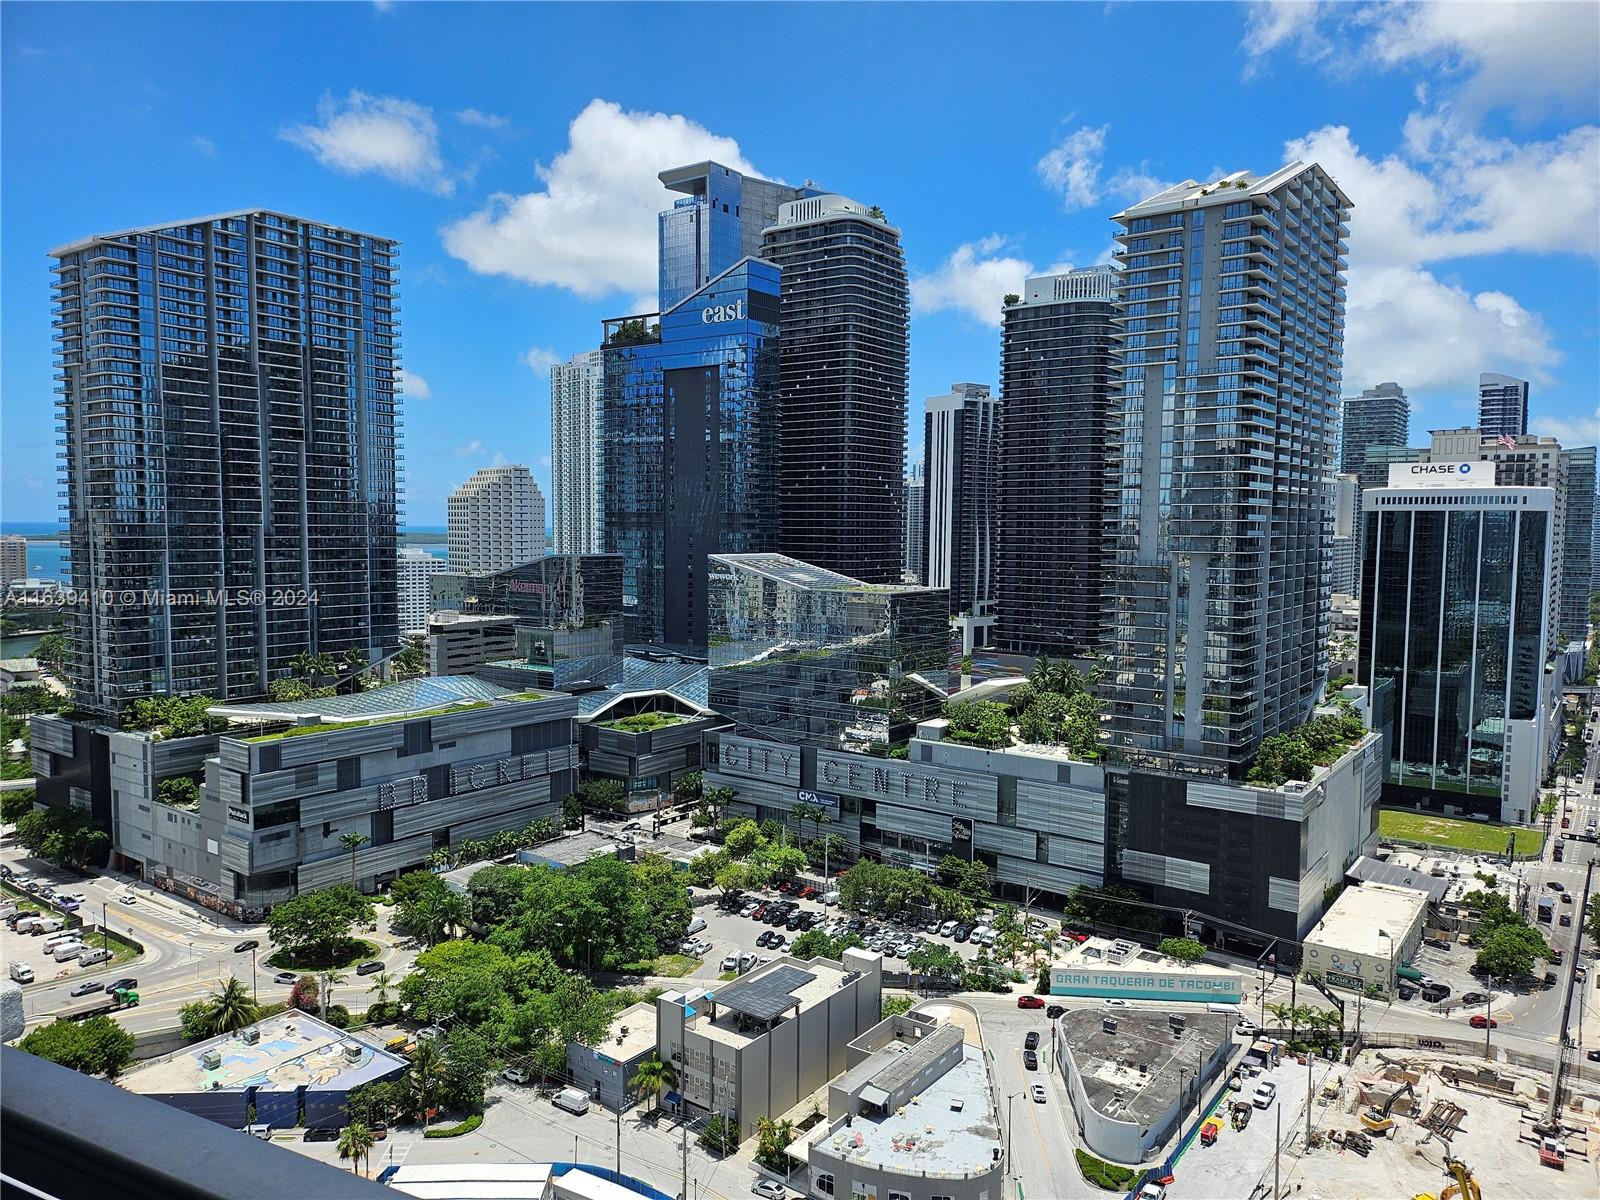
[1462, 1187]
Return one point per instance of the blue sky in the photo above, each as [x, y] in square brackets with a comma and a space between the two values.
[512, 150]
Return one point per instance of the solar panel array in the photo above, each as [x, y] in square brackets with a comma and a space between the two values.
[765, 997]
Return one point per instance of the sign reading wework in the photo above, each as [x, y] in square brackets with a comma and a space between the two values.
[413, 789]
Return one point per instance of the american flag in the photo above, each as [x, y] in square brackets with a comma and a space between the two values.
[1505, 439]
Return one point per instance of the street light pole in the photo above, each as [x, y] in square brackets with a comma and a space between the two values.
[1488, 1019]
[105, 933]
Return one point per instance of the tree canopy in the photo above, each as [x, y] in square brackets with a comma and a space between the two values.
[315, 927]
[96, 1046]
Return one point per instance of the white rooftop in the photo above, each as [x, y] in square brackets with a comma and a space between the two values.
[1361, 913]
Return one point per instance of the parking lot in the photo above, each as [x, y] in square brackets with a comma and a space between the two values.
[37, 952]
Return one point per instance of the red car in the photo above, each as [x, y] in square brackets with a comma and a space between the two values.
[806, 892]
[760, 914]
[786, 886]
[1482, 1022]
[1029, 1002]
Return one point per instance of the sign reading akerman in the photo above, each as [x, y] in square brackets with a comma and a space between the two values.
[1441, 474]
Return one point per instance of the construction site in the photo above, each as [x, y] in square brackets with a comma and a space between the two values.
[1420, 1125]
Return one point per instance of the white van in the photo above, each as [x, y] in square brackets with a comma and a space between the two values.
[59, 939]
[96, 955]
[67, 951]
[21, 973]
[573, 1100]
[695, 926]
[47, 925]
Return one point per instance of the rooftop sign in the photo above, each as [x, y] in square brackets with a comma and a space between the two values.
[1441, 474]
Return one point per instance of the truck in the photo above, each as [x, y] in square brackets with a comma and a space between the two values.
[1547, 909]
[21, 972]
[105, 1002]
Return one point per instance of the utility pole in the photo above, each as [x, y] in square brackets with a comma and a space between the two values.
[1488, 1020]
[1550, 1122]
[1309, 1061]
[1277, 1149]
[683, 1131]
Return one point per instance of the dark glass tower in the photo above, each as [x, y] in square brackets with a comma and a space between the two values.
[718, 221]
[1379, 416]
[1057, 366]
[227, 404]
[1502, 405]
[690, 444]
[843, 372]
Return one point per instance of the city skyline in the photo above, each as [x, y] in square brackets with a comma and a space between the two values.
[420, 161]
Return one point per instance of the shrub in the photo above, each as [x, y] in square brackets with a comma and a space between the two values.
[1103, 1174]
[467, 1126]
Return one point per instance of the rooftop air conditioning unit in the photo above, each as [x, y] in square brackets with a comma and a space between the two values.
[352, 1052]
[250, 1036]
[1108, 1024]
[211, 1060]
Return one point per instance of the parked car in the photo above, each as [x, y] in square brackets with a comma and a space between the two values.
[1152, 1191]
[69, 905]
[1479, 1021]
[1555, 886]
[371, 967]
[1266, 1092]
[962, 933]
[1566, 919]
[1029, 1002]
[769, 1189]
[730, 962]
[1593, 1056]
[1055, 1010]
[948, 928]
[1037, 1092]
[1436, 943]
[806, 892]
[1030, 1060]
[1566, 897]
[1435, 992]
[285, 977]
[252, 944]
[83, 989]
[749, 909]
[328, 1134]
[1474, 998]
[516, 1075]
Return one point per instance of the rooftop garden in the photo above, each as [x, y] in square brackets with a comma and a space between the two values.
[1056, 707]
[644, 722]
[1296, 755]
[172, 716]
[388, 719]
[529, 695]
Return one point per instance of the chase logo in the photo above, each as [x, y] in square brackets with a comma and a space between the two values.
[1466, 468]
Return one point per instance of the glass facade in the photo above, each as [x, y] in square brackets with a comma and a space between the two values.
[717, 222]
[1380, 416]
[1453, 609]
[228, 412]
[803, 655]
[691, 445]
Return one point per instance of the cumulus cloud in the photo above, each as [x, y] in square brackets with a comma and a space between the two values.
[539, 360]
[591, 227]
[1583, 432]
[384, 134]
[973, 280]
[470, 450]
[412, 385]
[1074, 165]
[483, 120]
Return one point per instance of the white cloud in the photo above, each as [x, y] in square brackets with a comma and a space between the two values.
[203, 145]
[383, 6]
[470, 450]
[483, 120]
[1275, 24]
[1582, 432]
[973, 280]
[592, 228]
[394, 137]
[1073, 167]
[412, 385]
[539, 360]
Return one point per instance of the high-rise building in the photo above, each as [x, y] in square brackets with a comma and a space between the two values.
[718, 221]
[1376, 460]
[1058, 363]
[1577, 545]
[1455, 586]
[1525, 461]
[577, 458]
[843, 364]
[1346, 545]
[1379, 416]
[1222, 443]
[914, 552]
[417, 569]
[13, 559]
[227, 404]
[690, 444]
[496, 521]
[1502, 405]
[960, 452]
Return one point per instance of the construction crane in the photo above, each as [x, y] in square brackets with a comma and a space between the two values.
[1377, 1120]
[1464, 1186]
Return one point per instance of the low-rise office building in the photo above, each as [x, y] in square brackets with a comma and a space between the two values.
[1101, 967]
[913, 1116]
[606, 1069]
[1131, 1074]
[759, 1045]
[459, 643]
[1365, 936]
[293, 1068]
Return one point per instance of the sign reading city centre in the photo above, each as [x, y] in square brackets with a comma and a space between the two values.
[959, 793]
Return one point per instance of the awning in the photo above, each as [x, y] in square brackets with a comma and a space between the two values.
[875, 1096]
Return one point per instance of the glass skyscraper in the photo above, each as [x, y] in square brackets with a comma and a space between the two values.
[960, 448]
[691, 444]
[717, 222]
[1221, 449]
[1380, 416]
[804, 655]
[1455, 585]
[1502, 405]
[228, 412]
[577, 460]
[844, 356]
[1058, 364]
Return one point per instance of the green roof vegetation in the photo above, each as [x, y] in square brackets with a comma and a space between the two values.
[339, 726]
[645, 721]
[1478, 837]
[1297, 754]
[525, 696]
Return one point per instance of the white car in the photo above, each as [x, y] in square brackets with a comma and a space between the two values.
[829, 899]
[730, 963]
[1265, 1094]
[1115, 1002]
[130, 898]
[947, 928]
[769, 1189]
[1037, 1092]
[1152, 1191]
[515, 1075]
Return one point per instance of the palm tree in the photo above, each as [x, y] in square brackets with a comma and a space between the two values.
[230, 1008]
[303, 665]
[1283, 1013]
[355, 1141]
[352, 842]
[652, 1075]
[329, 978]
[382, 984]
[452, 911]
[425, 1075]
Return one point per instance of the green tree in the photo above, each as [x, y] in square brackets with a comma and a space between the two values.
[893, 1006]
[353, 841]
[14, 805]
[1591, 925]
[572, 811]
[288, 689]
[315, 927]
[180, 791]
[412, 659]
[772, 1138]
[785, 862]
[230, 1008]
[720, 1135]
[651, 1076]
[66, 837]
[978, 723]
[355, 1143]
[687, 789]
[606, 794]
[1509, 952]
[466, 1069]
[936, 961]
[717, 799]
[381, 987]
[424, 1078]
[1185, 949]
[54, 651]
[743, 839]
[96, 1046]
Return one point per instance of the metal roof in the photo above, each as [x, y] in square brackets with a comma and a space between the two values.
[398, 699]
[1367, 869]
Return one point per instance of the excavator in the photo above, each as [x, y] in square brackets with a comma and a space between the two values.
[1464, 1187]
[1377, 1121]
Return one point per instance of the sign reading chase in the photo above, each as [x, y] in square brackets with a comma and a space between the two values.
[1441, 474]
[715, 314]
